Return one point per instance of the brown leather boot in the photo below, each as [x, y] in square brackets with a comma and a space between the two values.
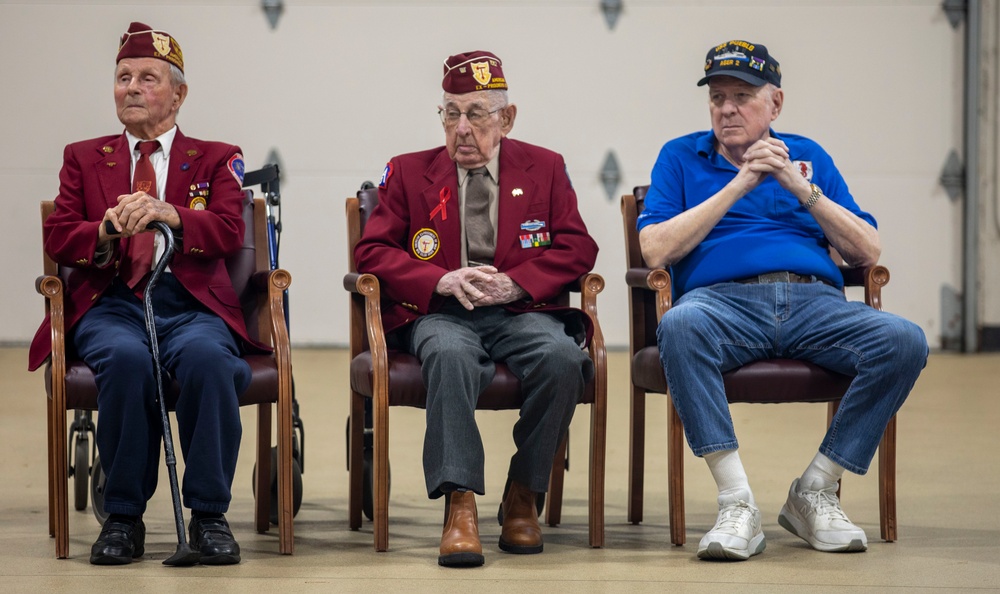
[460, 539]
[521, 534]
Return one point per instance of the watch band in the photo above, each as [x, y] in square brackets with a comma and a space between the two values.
[813, 198]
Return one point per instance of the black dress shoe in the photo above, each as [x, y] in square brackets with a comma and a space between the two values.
[122, 539]
[214, 540]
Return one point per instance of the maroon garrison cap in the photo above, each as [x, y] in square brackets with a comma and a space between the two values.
[142, 41]
[473, 71]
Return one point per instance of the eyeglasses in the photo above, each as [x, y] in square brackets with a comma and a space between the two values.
[477, 116]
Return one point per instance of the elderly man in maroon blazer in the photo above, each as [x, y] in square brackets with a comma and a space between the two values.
[152, 172]
[471, 241]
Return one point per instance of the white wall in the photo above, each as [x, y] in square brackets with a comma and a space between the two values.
[340, 87]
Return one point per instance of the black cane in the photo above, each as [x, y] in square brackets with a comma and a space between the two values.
[185, 555]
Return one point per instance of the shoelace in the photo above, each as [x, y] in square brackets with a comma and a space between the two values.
[735, 515]
[825, 503]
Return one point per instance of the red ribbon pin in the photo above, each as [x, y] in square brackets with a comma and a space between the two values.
[445, 196]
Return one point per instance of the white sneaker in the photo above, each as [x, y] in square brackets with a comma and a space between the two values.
[816, 517]
[737, 534]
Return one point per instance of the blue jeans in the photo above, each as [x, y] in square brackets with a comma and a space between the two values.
[712, 330]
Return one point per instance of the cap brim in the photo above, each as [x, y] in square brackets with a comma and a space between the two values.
[744, 76]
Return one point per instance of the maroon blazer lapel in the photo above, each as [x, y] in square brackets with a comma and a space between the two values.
[113, 167]
[442, 178]
[184, 155]
[517, 192]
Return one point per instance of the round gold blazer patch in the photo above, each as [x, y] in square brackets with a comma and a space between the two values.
[425, 244]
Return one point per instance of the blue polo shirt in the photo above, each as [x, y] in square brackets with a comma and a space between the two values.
[765, 231]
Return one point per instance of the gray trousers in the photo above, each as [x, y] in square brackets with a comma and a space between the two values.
[457, 349]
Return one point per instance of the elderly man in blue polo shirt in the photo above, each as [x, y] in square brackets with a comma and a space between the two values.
[744, 217]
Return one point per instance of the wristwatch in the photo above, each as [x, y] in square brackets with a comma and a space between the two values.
[816, 193]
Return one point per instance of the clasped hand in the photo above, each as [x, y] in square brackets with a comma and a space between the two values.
[479, 286]
[769, 156]
[134, 212]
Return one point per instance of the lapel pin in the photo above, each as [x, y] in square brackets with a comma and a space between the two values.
[108, 149]
[192, 153]
[111, 163]
[185, 166]
[516, 192]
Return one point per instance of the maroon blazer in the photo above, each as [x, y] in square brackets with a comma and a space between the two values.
[410, 242]
[94, 173]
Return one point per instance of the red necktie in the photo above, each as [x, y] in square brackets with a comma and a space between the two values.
[140, 260]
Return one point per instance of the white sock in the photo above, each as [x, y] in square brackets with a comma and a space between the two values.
[727, 470]
[822, 473]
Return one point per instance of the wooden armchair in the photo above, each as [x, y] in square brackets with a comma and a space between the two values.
[769, 381]
[392, 378]
[70, 383]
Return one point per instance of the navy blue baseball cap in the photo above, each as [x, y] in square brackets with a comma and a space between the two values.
[746, 61]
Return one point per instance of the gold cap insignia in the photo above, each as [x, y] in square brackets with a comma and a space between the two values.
[161, 43]
[481, 72]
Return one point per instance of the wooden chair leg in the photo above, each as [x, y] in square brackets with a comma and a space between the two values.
[262, 480]
[380, 470]
[286, 507]
[553, 507]
[356, 433]
[887, 482]
[61, 481]
[636, 454]
[675, 475]
[598, 456]
[52, 482]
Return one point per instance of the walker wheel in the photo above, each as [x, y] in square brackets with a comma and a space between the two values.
[296, 485]
[97, 482]
[80, 471]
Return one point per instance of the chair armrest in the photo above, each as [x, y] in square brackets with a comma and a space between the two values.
[591, 285]
[656, 280]
[351, 282]
[653, 279]
[51, 287]
[270, 286]
[260, 281]
[872, 278]
[367, 332]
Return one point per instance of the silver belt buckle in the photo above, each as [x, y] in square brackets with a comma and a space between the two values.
[774, 277]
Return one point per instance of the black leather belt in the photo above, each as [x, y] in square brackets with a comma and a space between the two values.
[780, 277]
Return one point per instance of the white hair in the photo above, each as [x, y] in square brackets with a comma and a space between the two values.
[177, 76]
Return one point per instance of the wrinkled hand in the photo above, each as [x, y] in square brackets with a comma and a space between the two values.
[770, 157]
[502, 289]
[466, 284]
[135, 211]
